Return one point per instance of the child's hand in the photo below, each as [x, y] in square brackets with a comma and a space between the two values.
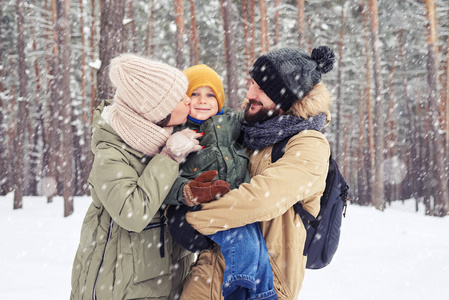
[181, 144]
[203, 189]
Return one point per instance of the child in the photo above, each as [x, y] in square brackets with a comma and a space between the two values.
[248, 271]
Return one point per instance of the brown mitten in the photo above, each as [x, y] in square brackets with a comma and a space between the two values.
[203, 189]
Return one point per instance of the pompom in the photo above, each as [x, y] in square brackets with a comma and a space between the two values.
[324, 57]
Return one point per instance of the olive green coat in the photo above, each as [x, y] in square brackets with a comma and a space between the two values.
[121, 244]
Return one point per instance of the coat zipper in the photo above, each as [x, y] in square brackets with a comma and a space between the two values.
[94, 296]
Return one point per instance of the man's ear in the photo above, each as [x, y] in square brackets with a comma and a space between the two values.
[281, 111]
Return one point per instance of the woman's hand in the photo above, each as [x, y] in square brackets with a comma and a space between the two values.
[181, 144]
[204, 189]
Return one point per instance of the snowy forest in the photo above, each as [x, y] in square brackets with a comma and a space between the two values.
[390, 84]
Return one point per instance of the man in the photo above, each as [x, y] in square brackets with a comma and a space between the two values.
[285, 100]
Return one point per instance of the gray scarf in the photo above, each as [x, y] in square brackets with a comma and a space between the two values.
[261, 135]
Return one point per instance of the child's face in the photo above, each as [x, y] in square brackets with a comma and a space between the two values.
[203, 103]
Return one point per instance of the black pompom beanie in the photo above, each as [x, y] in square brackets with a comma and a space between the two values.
[286, 75]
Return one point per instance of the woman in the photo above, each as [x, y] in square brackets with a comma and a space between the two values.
[125, 252]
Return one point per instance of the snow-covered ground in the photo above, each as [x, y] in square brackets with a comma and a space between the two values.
[397, 254]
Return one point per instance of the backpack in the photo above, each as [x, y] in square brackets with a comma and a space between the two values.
[323, 232]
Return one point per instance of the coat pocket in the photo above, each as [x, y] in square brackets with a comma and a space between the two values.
[151, 252]
[197, 164]
[241, 168]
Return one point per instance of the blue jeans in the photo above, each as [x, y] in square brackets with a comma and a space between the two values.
[247, 263]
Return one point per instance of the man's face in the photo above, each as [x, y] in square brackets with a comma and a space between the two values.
[260, 107]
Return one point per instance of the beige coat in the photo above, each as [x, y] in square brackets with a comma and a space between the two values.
[274, 188]
[300, 175]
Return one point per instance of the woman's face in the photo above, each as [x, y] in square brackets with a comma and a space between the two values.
[179, 114]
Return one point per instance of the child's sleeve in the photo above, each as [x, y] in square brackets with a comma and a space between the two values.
[175, 195]
[182, 232]
[240, 116]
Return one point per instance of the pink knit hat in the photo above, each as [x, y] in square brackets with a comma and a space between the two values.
[147, 92]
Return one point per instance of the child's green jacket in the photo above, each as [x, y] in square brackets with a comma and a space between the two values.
[222, 152]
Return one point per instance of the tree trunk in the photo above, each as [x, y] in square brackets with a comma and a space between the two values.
[194, 36]
[93, 31]
[427, 161]
[149, 43]
[391, 185]
[111, 43]
[419, 164]
[4, 153]
[367, 96]
[379, 127]
[309, 40]
[265, 42]
[447, 97]
[246, 39]
[91, 106]
[301, 24]
[276, 22]
[362, 182]
[133, 26]
[83, 62]
[339, 89]
[20, 141]
[82, 166]
[50, 147]
[412, 169]
[179, 20]
[232, 71]
[345, 159]
[65, 113]
[38, 124]
[12, 128]
[252, 30]
[442, 94]
[441, 195]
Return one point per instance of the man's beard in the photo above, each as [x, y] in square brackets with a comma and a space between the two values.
[262, 115]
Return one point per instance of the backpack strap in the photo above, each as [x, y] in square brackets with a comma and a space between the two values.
[279, 149]
[307, 218]
[310, 225]
[305, 215]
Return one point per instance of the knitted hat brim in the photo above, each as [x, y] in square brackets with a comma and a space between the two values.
[270, 81]
[202, 75]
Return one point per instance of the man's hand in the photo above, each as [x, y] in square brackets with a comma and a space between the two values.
[204, 189]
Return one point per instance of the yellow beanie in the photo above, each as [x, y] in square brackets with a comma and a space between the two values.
[202, 75]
